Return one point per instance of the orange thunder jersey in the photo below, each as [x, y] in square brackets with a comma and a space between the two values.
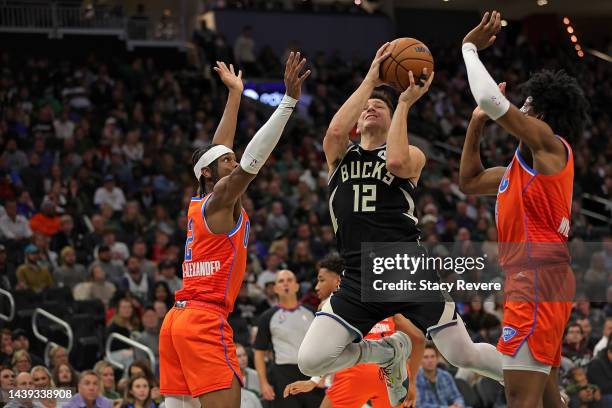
[214, 264]
[381, 329]
[533, 213]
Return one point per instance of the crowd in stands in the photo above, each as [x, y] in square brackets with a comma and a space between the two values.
[95, 180]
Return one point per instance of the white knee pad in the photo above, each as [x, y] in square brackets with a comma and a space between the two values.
[181, 401]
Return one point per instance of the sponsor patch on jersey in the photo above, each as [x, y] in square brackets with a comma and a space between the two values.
[508, 333]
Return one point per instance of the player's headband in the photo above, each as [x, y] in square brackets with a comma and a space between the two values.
[210, 156]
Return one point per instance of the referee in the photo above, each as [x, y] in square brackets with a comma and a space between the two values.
[282, 328]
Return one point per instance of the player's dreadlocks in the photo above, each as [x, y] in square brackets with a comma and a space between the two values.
[333, 263]
[560, 99]
[213, 167]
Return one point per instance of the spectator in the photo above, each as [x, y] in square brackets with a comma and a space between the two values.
[583, 310]
[574, 346]
[605, 339]
[600, 373]
[244, 52]
[250, 378]
[142, 368]
[486, 325]
[42, 377]
[106, 373]
[138, 393]
[8, 278]
[167, 271]
[30, 275]
[96, 288]
[21, 361]
[110, 194]
[161, 292]
[24, 381]
[58, 355]
[149, 336]
[64, 376]
[12, 225]
[112, 270]
[269, 275]
[436, 387]
[165, 29]
[282, 329]
[581, 393]
[89, 391]
[7, 383]
[139, 250]
[7, 346]
[47, 222]
[140, 285]
[70, 273]
[277, 222]
[64, 127]
[124, 322]
[66, 236]
[22, 342]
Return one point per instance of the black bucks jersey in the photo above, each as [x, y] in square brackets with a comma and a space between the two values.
[369, 204]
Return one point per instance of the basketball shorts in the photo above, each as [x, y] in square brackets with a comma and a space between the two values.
[196, 351]
[537, 308]
[354, 387]
[346, 307]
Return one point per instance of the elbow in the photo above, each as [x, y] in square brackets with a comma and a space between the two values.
[465, 185]
[395, 165]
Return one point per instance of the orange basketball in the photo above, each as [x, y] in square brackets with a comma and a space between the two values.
[407, 54]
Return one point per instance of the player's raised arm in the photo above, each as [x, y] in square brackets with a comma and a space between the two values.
[535, 133]
[229, 189]
[473, 177]
[403, 160]
[337, 135]
[224, 135]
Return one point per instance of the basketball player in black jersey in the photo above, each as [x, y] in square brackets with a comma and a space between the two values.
[371, 189]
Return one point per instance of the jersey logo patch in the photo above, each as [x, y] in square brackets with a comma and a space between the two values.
[508, 333]
[503, 186]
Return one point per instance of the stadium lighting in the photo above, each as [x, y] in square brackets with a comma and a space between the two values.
[504, 23]
[580, 54]
[566, 20]
[578, 47]
[542, 2]
[357, 2]
[570, 29]
[574, 38]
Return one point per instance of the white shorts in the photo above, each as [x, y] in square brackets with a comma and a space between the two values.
[524, 361]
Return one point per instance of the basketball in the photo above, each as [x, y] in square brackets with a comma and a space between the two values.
[407, 54]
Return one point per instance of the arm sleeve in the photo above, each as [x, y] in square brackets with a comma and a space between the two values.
[263, 340]
[266, 138]
[483, 87]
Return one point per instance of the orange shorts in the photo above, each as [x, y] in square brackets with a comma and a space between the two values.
[353, 387]
[196, 352]
[537, 308]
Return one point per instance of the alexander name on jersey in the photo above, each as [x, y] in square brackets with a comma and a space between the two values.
[201, 268]
[366, 170]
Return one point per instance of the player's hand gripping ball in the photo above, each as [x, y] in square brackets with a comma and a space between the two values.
[406, 54]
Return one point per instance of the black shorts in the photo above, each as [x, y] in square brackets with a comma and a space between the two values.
[359, 317]
[285, 374]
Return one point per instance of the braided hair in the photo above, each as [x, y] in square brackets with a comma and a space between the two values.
[212, 166]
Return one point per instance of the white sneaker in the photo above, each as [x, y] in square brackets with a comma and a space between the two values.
[395, 371]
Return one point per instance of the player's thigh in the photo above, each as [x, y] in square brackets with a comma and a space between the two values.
[227, 398]
[326, 403]
[524, 389]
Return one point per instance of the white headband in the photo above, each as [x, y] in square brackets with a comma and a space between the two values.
[210, 156]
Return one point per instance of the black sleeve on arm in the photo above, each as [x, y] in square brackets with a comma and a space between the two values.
[263, 340]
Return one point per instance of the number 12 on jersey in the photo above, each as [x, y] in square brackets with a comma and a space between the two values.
[364, 198]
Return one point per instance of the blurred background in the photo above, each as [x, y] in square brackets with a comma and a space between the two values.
[103, 102]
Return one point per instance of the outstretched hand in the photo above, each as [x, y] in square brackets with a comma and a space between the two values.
[229, 77]
[484, 34]
[415, 91]
[293, 79]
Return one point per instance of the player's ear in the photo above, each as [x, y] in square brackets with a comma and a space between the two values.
[207, 172]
